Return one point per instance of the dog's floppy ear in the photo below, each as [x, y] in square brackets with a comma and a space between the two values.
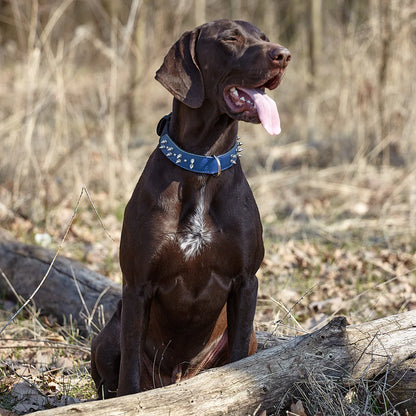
[180, 73]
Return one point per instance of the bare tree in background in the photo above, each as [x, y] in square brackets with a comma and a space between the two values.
[386, 37]
[315, 49]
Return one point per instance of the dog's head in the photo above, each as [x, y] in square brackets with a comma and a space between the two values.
[229, 63]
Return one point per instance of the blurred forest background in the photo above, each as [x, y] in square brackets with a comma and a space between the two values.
[336, 189]
[79, 104]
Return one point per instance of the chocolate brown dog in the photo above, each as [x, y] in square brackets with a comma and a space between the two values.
[191, 242]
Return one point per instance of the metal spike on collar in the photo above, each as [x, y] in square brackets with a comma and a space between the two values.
[163, 144]
[239, 150]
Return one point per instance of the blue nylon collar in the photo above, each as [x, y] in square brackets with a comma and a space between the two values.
[211, 165]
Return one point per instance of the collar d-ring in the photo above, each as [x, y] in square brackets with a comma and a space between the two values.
[219, 165]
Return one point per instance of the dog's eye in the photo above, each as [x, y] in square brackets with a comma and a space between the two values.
[231, 36]
[264, 37]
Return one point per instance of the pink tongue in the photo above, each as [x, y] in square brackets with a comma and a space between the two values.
[266, 110]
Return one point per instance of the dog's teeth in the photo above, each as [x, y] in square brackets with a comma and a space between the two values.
[234, 91]
[243, 99]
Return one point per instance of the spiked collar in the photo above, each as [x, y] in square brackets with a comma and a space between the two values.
[211, 165]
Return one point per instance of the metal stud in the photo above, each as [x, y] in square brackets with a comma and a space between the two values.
[169, 154]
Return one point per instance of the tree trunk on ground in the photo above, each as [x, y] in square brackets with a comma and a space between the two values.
[337, 353]
[25, 265]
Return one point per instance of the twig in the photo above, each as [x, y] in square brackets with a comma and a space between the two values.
[51, 344]
[289, 313]
[88, 314]
[23, 378]
[96, 305]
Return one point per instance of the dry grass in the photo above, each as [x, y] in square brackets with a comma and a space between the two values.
[42, 364]
[336, 190]
[320, 396]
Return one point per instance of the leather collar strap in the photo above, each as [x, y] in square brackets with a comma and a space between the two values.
[211, 165]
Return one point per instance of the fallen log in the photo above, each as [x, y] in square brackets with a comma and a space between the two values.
[338, 353]
[71, 291]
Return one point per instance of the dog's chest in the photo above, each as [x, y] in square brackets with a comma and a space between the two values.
[195, 234]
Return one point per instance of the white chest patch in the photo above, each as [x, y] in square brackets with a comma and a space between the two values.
[196, 235]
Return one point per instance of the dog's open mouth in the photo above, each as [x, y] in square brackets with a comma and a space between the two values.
[253, 104]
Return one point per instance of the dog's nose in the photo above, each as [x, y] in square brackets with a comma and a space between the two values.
[280, 55]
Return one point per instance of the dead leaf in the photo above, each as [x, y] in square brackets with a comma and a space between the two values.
[297, 409]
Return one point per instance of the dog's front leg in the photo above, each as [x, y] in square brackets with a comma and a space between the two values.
[241, 306]
[134, 323]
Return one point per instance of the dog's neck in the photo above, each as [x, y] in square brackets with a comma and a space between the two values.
[205, 132]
